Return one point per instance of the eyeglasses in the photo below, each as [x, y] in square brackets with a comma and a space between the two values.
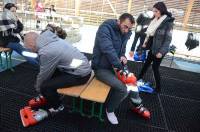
[126, 27]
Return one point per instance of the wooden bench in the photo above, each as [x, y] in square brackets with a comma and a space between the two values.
[8, 53]
[75, 92]
[94, 91]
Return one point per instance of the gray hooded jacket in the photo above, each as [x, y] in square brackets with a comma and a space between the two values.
[55, 53]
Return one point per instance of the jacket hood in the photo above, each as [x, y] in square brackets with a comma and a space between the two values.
[112, 23]
[46, 38]
[170, 19]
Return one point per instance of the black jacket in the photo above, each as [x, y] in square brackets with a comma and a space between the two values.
[4, 40]
[163, 36]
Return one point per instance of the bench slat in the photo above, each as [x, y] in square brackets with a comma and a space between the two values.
[2, 49]
[75, 91]
[96, 91]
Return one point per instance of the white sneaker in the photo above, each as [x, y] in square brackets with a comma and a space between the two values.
[55, 111]
[112, 118]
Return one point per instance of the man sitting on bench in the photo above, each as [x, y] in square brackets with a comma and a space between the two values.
[109, 54]
[61, 65]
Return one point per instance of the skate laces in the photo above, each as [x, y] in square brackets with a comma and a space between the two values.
[55, 111]
[141, 108]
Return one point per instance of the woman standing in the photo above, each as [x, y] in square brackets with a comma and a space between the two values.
[158, 39]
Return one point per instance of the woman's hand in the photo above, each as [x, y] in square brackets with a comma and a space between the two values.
[144, 45]
[158, 55]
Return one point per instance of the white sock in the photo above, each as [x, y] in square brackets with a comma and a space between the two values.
[112, 117]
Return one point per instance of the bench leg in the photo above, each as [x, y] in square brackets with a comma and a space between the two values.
[92, 111]
[1, 62]
[10, 60]
[73, 104]
[81, 107]
[6, 60]
[101, 113]
[74, 108]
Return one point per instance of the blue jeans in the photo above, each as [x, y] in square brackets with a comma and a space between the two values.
[19, 49]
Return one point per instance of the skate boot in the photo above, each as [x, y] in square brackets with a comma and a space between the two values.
[37, 102]
[30, 117]
[142, 111]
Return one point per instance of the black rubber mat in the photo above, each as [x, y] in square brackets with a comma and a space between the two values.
[180, 74]
[181, 115]
[22, 79]
[170, 111]
[149, 101]
[181, 88]
[64, 121]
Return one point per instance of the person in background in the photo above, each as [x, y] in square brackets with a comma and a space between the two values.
[142, 23]
[51, 12]
[10, 31]
[158, 39]
[39, 9]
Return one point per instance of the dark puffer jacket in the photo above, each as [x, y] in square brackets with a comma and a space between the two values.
[109, 46]
[163, 37]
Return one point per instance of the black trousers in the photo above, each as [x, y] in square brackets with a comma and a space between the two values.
[155, 66]
[60, 80]
[138, 36]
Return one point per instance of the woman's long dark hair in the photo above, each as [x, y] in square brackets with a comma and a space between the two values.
[162, 8]
[10, 5]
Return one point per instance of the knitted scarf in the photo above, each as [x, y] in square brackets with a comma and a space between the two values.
[8, 21]
[155, 23]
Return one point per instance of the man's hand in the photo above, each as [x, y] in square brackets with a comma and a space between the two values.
[131, 53]
[158, 55]
[123, 60]
[144, 45]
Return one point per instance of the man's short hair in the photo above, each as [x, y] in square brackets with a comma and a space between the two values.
[127, 16]
[30, 40]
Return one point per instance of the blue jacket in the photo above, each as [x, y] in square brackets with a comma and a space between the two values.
[109, 46]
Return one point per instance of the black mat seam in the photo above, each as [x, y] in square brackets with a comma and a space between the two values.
[181, 98]
[163, 112]
[147, 125]
[181, 80]
[13, 91]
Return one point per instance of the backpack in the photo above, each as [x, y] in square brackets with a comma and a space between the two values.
[191, 42]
